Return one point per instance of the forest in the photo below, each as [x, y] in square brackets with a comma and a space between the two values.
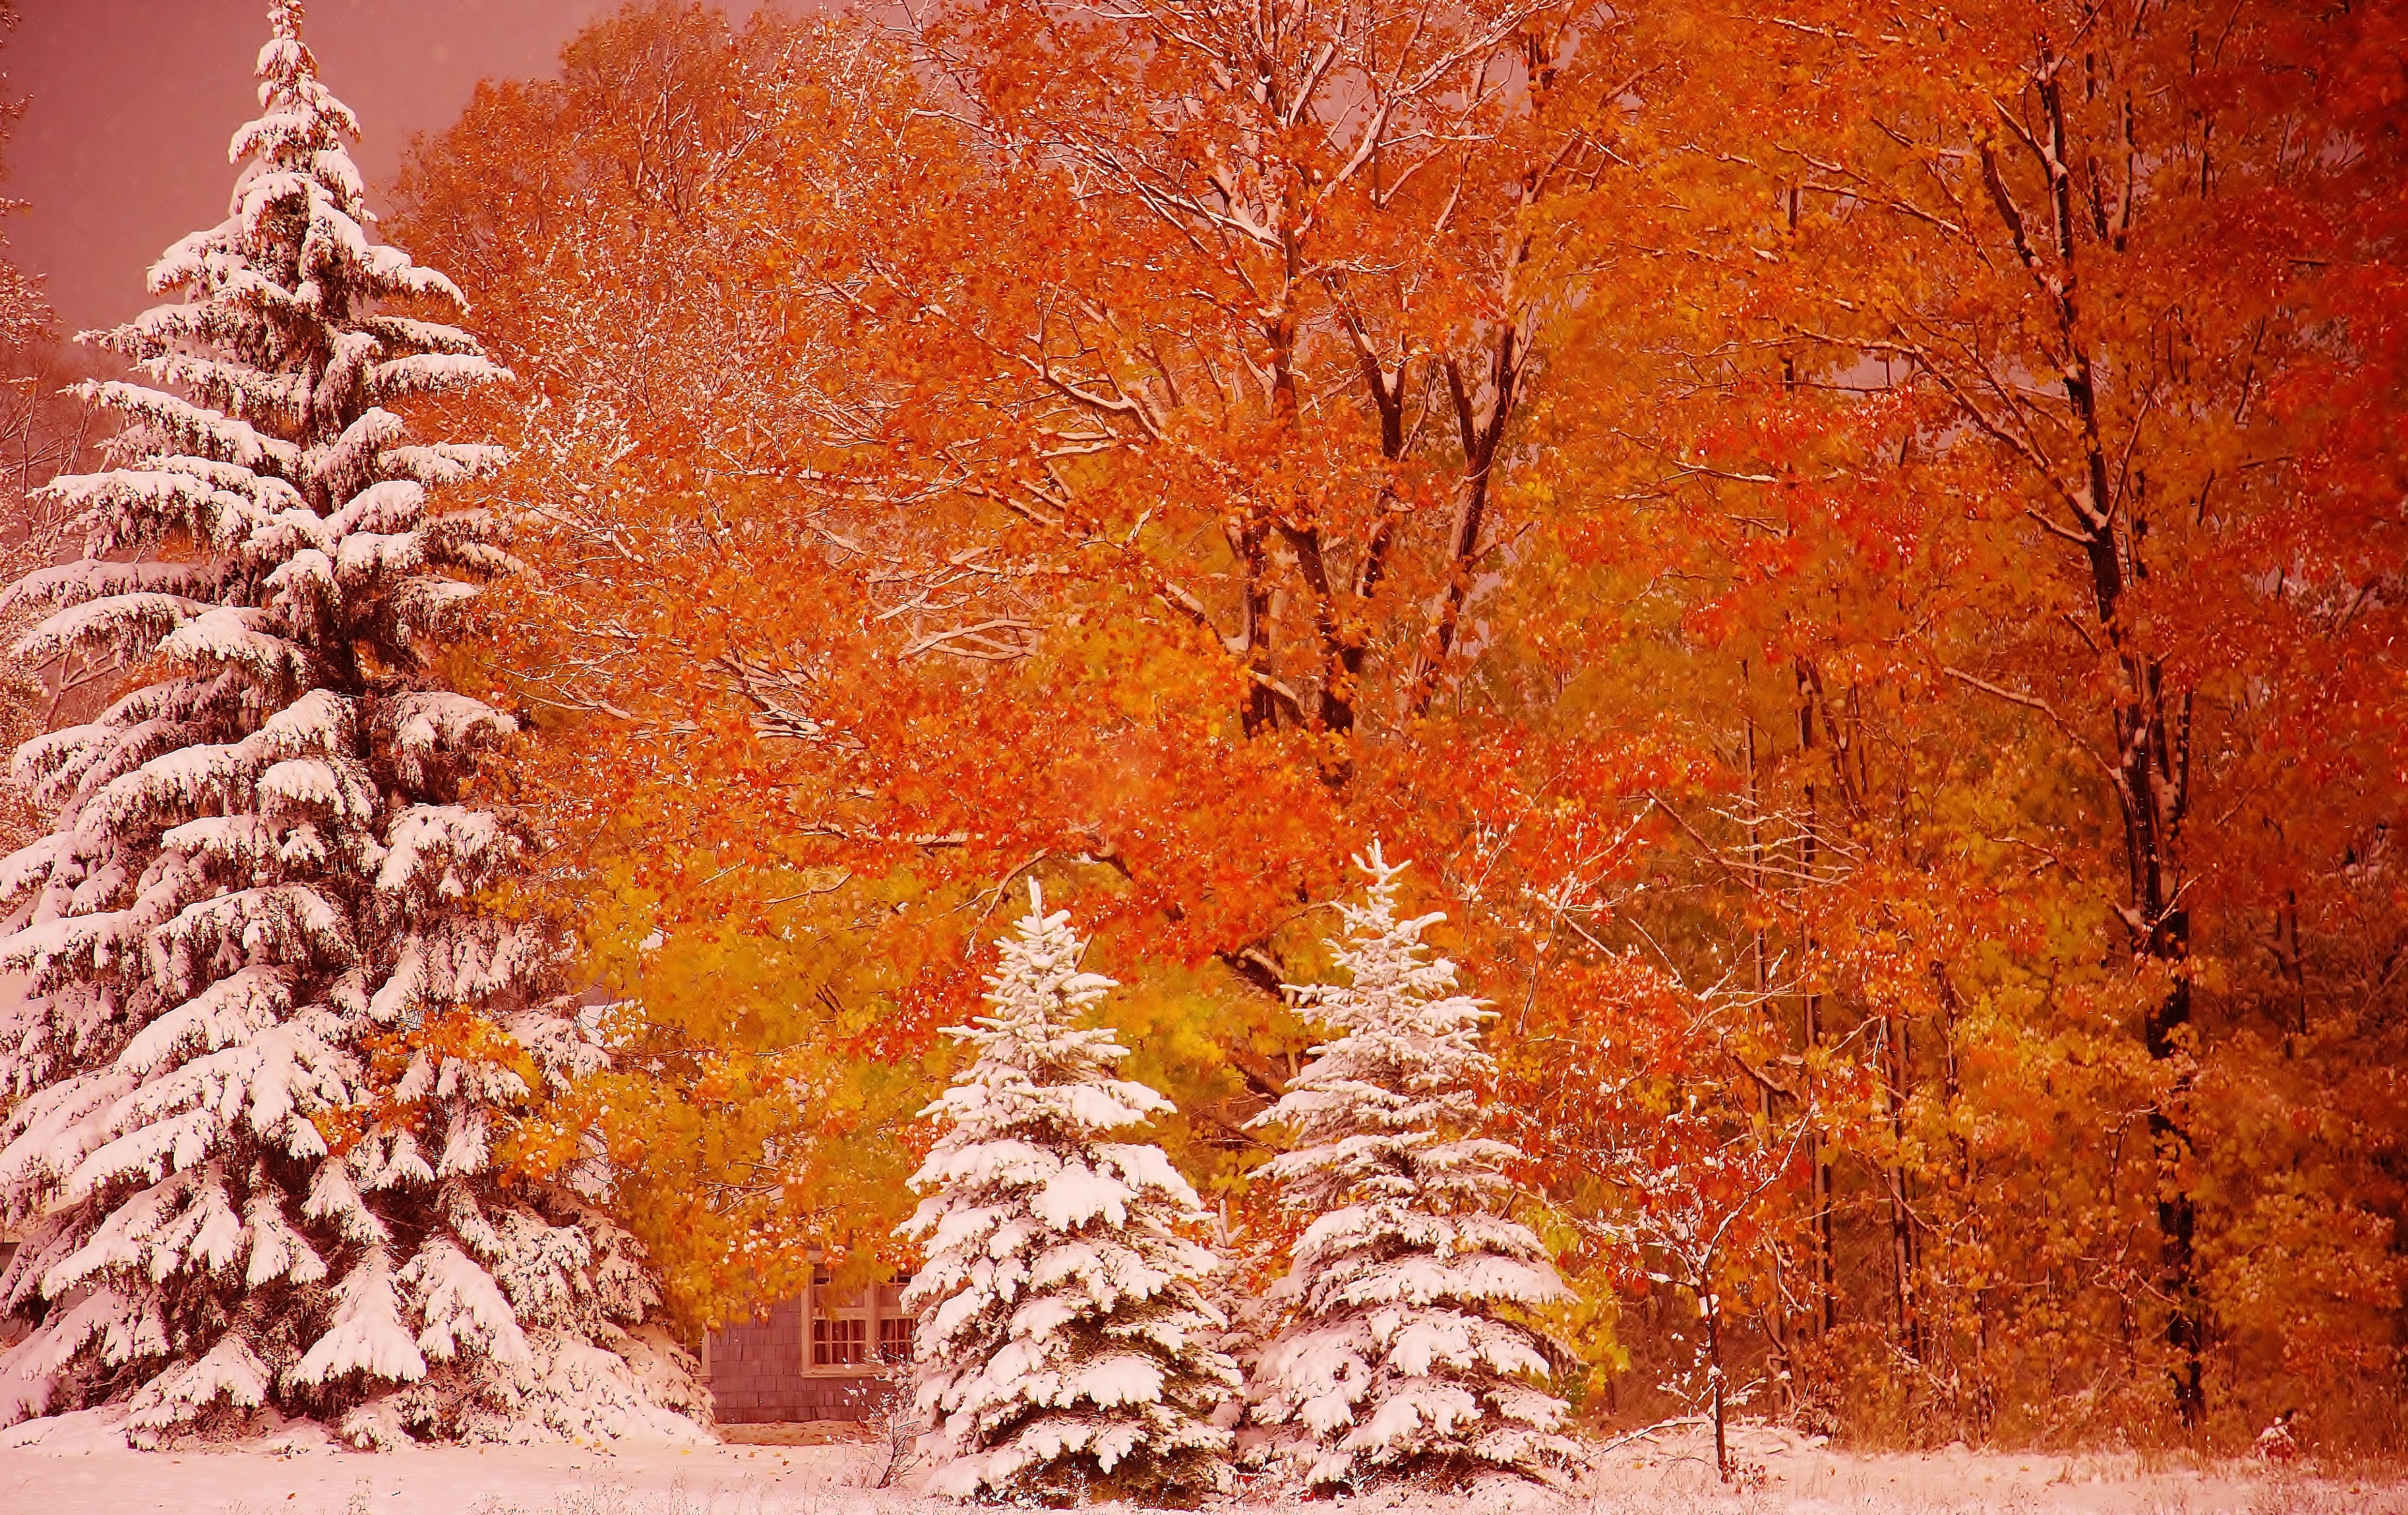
[1847, 563]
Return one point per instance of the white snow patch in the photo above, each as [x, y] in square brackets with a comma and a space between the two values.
[80, 1464]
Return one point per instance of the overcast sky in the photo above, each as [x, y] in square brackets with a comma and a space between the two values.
[122, 149]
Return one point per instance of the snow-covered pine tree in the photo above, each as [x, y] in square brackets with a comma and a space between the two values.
[1403, 1355]
[1064, 1346]
[257, 914]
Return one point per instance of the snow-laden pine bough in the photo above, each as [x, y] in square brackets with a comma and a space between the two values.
[1065, 1350]
[256, 916]
[1411, 1349]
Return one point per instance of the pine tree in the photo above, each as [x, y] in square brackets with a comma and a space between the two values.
[1402, 1357]
[274, 1049]
[1064, 1347]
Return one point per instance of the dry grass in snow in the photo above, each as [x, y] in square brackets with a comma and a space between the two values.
[79, 1464]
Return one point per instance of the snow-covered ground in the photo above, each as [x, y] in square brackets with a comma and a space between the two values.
[79, 1464]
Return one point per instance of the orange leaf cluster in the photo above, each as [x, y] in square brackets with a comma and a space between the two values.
[1859, 546]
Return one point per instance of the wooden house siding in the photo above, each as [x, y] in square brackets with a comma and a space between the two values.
[761, 1372]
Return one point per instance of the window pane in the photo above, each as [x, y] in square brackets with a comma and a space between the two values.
[840, 1334]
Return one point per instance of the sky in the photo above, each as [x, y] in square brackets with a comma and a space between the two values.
[121, 151]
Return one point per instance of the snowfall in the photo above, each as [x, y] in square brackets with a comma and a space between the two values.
[79, 1464]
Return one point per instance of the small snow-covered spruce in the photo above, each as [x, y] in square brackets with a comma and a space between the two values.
[259, 870]
[1064, 1347]
[1242, 1289]
[1409, 1351]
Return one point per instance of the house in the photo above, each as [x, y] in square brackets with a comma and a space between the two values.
[12, 1328]
[827, 1355]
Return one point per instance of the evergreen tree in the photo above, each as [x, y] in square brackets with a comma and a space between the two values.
[274, 1049]
[1402, 1356]
[1064, 1347]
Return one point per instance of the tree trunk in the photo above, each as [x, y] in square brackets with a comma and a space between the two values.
[1826, 1315]
[1776, 1315]
[1901, 1218]
[2150, 768]
[1715, 1386]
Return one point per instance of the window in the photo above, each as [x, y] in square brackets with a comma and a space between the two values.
[840, 1322]
[895, 1339]
[855, 1330]
[894, 1326]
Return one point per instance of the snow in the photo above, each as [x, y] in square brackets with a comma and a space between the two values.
[367, 1336]
[1064, 1347]
[120, 625]
[1395, 1360]
[80, 1464]
[217, 437]
[240, 891]
[463, 1308]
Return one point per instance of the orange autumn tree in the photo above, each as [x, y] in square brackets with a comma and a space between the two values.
[1154, 449]
[2037, 532]
[1201, 371]
[1277, 281]
[951, 682]
[671, 432]
[1211, 367]
[34, 444]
